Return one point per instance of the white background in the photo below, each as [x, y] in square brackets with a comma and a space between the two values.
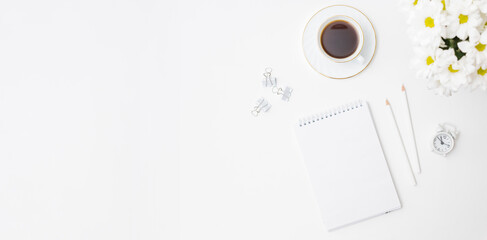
[91, 118]
[243, 177]
[88, 120]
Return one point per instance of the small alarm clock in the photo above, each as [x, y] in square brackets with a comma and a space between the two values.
[444, 139]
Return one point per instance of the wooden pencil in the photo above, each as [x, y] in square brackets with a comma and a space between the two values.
[412, 129]
[413, 178]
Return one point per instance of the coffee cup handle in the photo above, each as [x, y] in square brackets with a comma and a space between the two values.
[360, 59]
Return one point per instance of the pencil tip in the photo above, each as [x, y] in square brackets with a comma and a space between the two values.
[387, 102]
[403, 88]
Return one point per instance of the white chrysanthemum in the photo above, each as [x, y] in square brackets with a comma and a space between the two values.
[408, 5]
[428, 61]
[476, 51]
[483, 37]
[427, 22]
[479, 78]
[432, 20]
[454, 73]
[433, 82]
[463, 20]
[482, 5]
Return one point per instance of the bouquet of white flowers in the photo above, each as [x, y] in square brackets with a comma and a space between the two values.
[450, 43]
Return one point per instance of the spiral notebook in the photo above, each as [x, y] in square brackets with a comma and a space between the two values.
[347, 168]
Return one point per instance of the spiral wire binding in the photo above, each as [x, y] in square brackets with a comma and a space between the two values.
[330, 113]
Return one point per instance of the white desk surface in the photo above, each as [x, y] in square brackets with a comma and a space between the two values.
[243, 177]
[87, 150]
[90, 121]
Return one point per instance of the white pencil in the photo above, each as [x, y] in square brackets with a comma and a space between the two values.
[402, 142]
[412, 129]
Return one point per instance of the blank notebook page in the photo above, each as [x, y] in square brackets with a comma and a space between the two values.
[346, 165]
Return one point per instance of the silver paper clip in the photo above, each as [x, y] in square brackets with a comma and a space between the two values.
[268, 80]
[286, 93]
[261, 106]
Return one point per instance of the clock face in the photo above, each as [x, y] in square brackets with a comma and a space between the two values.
[443, 143]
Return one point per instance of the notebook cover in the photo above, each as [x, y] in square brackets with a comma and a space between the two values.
[346, 165]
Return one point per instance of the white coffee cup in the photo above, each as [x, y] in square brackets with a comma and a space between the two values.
[355, 56]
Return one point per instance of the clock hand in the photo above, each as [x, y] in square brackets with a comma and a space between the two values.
[441, 141]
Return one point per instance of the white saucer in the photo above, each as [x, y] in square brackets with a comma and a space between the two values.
[323, 64]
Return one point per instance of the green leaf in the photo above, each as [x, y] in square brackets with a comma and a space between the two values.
[453, 43]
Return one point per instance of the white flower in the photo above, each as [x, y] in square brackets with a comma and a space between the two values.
[483, 37]
[427, 23]
[454, 74]
[428, 61]
[463, 20]
[431, 21]
[476, 51]
[408, 5]
[479, 78]
[482, 5]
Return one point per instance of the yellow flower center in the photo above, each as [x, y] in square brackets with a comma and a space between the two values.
[415, 2]
[481, 71]
[463, 18]
[442, 2]
[429, 60]
[450, 68]
[429, 22]
[480, 47]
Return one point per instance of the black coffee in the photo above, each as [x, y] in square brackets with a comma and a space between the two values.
[339, 39]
